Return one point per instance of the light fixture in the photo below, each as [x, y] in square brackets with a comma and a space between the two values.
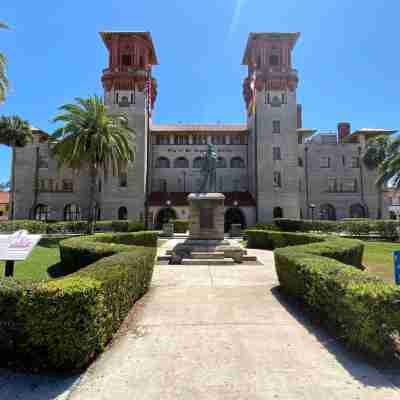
[168, 203]
[235, 203]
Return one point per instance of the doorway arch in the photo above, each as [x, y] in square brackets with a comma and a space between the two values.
[122, 213]
[277, 212]
[234, 216]
[357, 211]
[164, 216]
[327, 211]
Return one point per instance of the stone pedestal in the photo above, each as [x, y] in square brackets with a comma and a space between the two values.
[206, 216]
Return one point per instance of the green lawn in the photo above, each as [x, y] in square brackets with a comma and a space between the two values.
[42, 264]
[378, 259]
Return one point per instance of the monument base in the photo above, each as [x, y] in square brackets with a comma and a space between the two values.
[206, 243]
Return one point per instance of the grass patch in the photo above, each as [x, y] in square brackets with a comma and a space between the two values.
[41, 265]
[378, 259]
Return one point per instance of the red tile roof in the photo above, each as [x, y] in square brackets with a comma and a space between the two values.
[199, 128]
[180, 199]
[4, 197]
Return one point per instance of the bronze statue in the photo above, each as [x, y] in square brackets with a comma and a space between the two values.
[209, 171]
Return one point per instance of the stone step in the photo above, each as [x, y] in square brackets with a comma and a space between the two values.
[212, 261]
[246, 258]
[207, 255]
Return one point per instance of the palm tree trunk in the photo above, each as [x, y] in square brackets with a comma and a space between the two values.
[92, 202]
[12, 205]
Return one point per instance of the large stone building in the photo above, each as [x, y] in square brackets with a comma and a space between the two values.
[268, 167]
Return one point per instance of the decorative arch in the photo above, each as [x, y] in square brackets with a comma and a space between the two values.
[327, 211]
[42, 212]
[181, 162]
[164, 216]
[163, 162]
[357, 210]
[122, 213]
[198, 162]
[237, 162]
[221, 162]
[234, 216]
[72, 212]
[277, 212]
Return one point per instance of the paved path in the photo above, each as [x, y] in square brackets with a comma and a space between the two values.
[224, 333]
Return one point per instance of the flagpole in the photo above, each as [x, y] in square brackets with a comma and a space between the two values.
[254, 112]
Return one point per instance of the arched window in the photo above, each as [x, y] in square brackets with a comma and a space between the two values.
[162, 162]
[221, 162]
[122, 213]
[237, 162]
[198, 162]
[181, 162]
[72, 212]
[277, 212]
[41, 212]
[357, 211]
[327, 211]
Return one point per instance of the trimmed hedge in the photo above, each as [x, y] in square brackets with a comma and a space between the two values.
[363, 309]
[350, 226]
[76, 253]
[181, 225]
[62, 227]
[63, 323]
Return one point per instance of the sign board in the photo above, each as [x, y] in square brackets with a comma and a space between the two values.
[18, 246]
[396, 255]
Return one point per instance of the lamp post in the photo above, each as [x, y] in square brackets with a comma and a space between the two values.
[312, 206]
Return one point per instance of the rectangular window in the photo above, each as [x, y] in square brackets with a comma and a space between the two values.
[276, 126]
[276, 153]
[332, 185]
[181, 139]
[199, 139]
[235, 184]
[239, 139]
[300, 138]
[349, 185]
[277, 179]
[355, 162]
[162, 139]
[67, 185]
[218, 139]
[123, 179]
[126, 59]
[325, 162]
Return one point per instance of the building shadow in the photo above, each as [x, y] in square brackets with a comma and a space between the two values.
[26, 386]
[56, 271]
[365, 370]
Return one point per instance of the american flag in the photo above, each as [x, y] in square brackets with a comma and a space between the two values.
[253, 92]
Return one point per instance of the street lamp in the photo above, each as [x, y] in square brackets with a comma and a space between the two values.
[312, 206]
[235, 203]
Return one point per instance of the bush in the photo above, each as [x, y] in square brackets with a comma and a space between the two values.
[31, 226]
[320, 272]
[63, 323]
[387, 229]
[264, 227]
[76, 253]
[181, 225]
[66, 227]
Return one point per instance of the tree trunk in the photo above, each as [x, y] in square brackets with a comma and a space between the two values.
[12, 198]
[92, 202]
[380, 201]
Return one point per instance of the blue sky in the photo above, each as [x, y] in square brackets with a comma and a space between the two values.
[347, 56]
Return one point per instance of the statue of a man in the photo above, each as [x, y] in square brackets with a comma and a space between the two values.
[209, 171]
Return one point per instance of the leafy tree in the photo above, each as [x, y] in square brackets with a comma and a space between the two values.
[379, 155]
[14, 132]
[3, 77]
[4, 186]
[92, 138]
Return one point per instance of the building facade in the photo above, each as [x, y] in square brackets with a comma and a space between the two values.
[270, 166]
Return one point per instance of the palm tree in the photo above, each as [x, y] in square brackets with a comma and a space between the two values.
[14, 132]
[3, 78]
[375, 156]
[91, 137]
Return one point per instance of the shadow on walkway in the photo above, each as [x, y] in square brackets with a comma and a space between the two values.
[25, 386]
[359, 366]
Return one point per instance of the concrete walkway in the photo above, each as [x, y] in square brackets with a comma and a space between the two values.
[224, 333]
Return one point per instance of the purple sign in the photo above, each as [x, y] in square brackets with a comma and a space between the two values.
[18, 246]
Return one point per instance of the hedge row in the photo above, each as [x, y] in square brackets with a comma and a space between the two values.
[363, 309]
[33, 226]
[63, 323]
[354, 227]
